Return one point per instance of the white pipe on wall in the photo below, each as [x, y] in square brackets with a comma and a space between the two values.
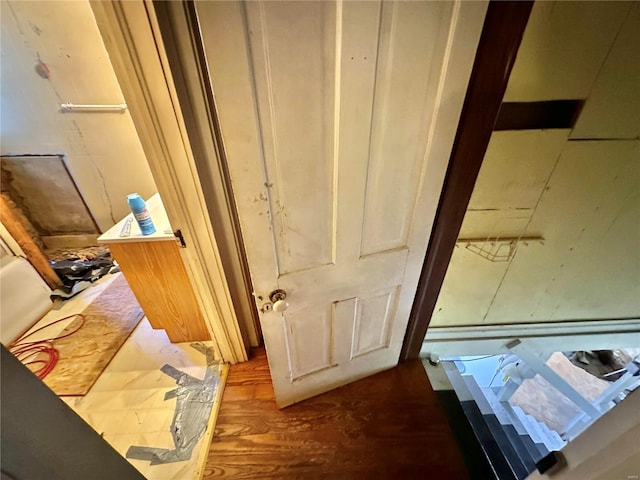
[71, 107]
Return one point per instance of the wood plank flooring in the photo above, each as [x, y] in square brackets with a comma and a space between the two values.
[388, 426]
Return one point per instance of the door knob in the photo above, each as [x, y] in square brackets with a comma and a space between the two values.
[278, 297]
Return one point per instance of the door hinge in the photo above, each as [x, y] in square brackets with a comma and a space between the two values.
[179, 238]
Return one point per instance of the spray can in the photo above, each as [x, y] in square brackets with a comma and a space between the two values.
[141, 214]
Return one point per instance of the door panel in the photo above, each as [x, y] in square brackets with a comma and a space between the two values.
[372, 325]
[338, 121]
[407, 64]
[290, 55]
[309, 341]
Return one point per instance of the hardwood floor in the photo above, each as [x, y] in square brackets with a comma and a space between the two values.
[388, 426]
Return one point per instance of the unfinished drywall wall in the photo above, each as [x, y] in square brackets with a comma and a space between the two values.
[563, 48]
[583, 200]
[577, 190]
[52, 53]
[45, 192]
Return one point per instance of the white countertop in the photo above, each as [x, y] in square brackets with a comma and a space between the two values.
[158, 214]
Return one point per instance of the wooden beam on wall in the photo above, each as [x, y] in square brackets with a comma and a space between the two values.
[31, 249]
[502, 33]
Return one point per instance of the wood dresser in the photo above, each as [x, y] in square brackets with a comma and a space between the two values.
[153, 267]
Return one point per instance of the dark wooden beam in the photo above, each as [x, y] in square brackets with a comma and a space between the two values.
[501, 36]
[538, 115]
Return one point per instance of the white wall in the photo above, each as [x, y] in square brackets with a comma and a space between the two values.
[102, 150]
[578, 189]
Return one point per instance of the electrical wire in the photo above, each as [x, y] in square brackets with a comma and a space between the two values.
[32, 353]
[494, 377]
[497, 370]
[480, 358]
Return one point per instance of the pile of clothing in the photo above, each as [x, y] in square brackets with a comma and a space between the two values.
[79, 271]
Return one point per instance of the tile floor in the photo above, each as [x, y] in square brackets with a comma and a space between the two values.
[126, 404]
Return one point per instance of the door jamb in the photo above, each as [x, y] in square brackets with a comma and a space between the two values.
[132, 39]
[502, 33]
[179, 26]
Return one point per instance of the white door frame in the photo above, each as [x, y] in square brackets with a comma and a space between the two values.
[132, 38]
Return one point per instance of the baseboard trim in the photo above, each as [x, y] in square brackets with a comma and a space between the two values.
[544, 337]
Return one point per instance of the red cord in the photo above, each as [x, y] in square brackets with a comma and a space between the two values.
[25, 351]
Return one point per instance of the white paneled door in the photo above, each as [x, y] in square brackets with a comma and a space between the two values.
[338, 121]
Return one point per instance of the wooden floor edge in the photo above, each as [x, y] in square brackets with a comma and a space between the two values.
[208, 434]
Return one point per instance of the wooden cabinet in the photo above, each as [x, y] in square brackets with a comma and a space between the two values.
[156, 274]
